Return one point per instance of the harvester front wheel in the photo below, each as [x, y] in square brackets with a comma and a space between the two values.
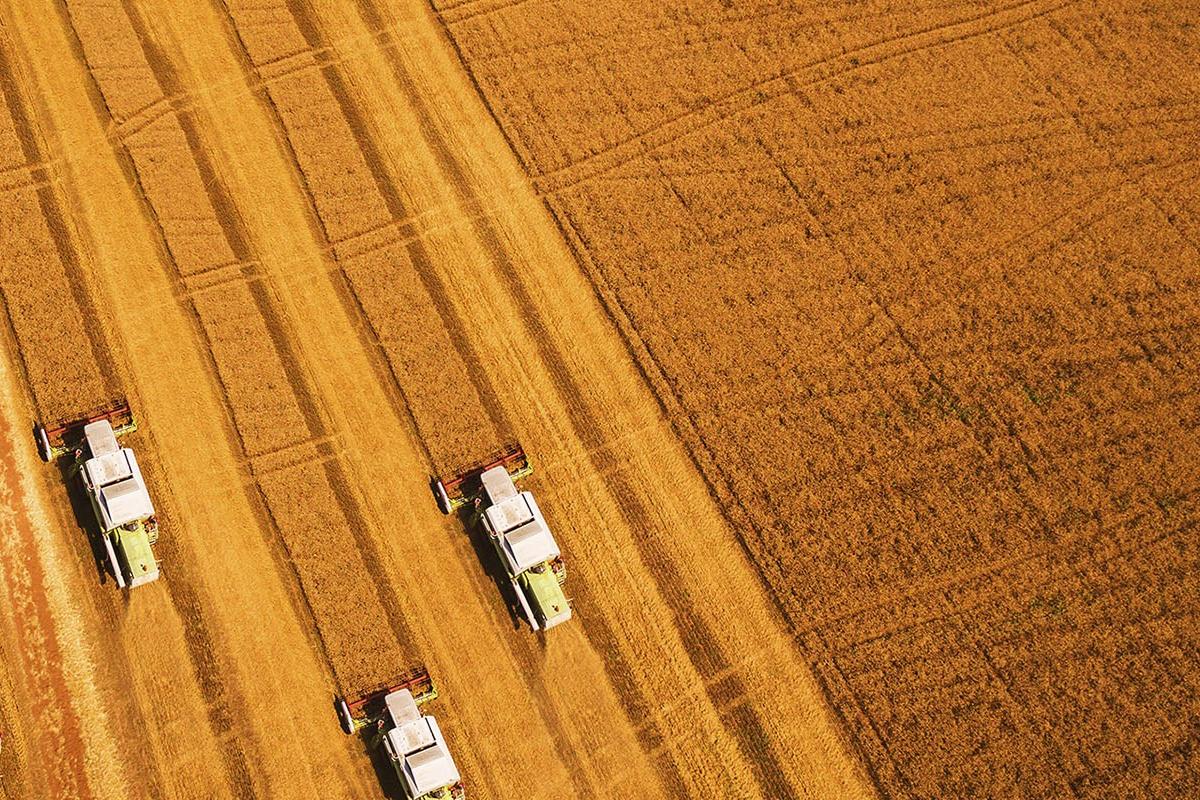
[344, 717]
[443, 499]
[43, 442]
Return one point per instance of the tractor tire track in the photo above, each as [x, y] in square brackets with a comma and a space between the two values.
[410, 240]
[756, 94]
[417, 251]
[347, 295]
[229, 218]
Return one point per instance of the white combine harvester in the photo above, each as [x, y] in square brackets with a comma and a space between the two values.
[114, 485]
[413, 741]
[517, 530]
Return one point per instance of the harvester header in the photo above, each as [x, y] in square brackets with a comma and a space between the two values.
[61, 436]
[465, 485]
[359, 712]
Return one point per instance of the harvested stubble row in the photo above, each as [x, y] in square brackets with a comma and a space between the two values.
[933, 344]
[40, 279]
[375, 238]
[271, 407]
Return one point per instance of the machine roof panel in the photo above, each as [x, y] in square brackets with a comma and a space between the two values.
[498, 485]
[100, 438]
[510, 513]
[530, 545]
[411, 736]
[125, 502]
[432, 768]
[402, 707]
[108, 468]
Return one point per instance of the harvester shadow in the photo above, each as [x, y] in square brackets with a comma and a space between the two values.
[490, 560]
[385, 773]
[85, 518]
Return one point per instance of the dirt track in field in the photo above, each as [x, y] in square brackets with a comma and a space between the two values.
[294, 237]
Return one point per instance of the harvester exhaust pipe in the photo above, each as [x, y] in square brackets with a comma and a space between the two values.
[529, 615]
[112, 560]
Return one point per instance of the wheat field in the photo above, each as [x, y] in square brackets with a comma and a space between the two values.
[854, 347]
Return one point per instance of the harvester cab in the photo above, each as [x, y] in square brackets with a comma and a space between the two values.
[413, 741]
[517, 530]
[114, 485]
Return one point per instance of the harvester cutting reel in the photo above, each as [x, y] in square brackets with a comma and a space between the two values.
[56, 439]
[367, 708]
[464, 486]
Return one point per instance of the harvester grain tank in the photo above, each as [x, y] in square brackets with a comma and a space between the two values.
[517, 529]
[114, 485]
[413, 741]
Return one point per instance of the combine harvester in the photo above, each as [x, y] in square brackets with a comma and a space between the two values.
[517, 530]
[413, 741]
[114, 485]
